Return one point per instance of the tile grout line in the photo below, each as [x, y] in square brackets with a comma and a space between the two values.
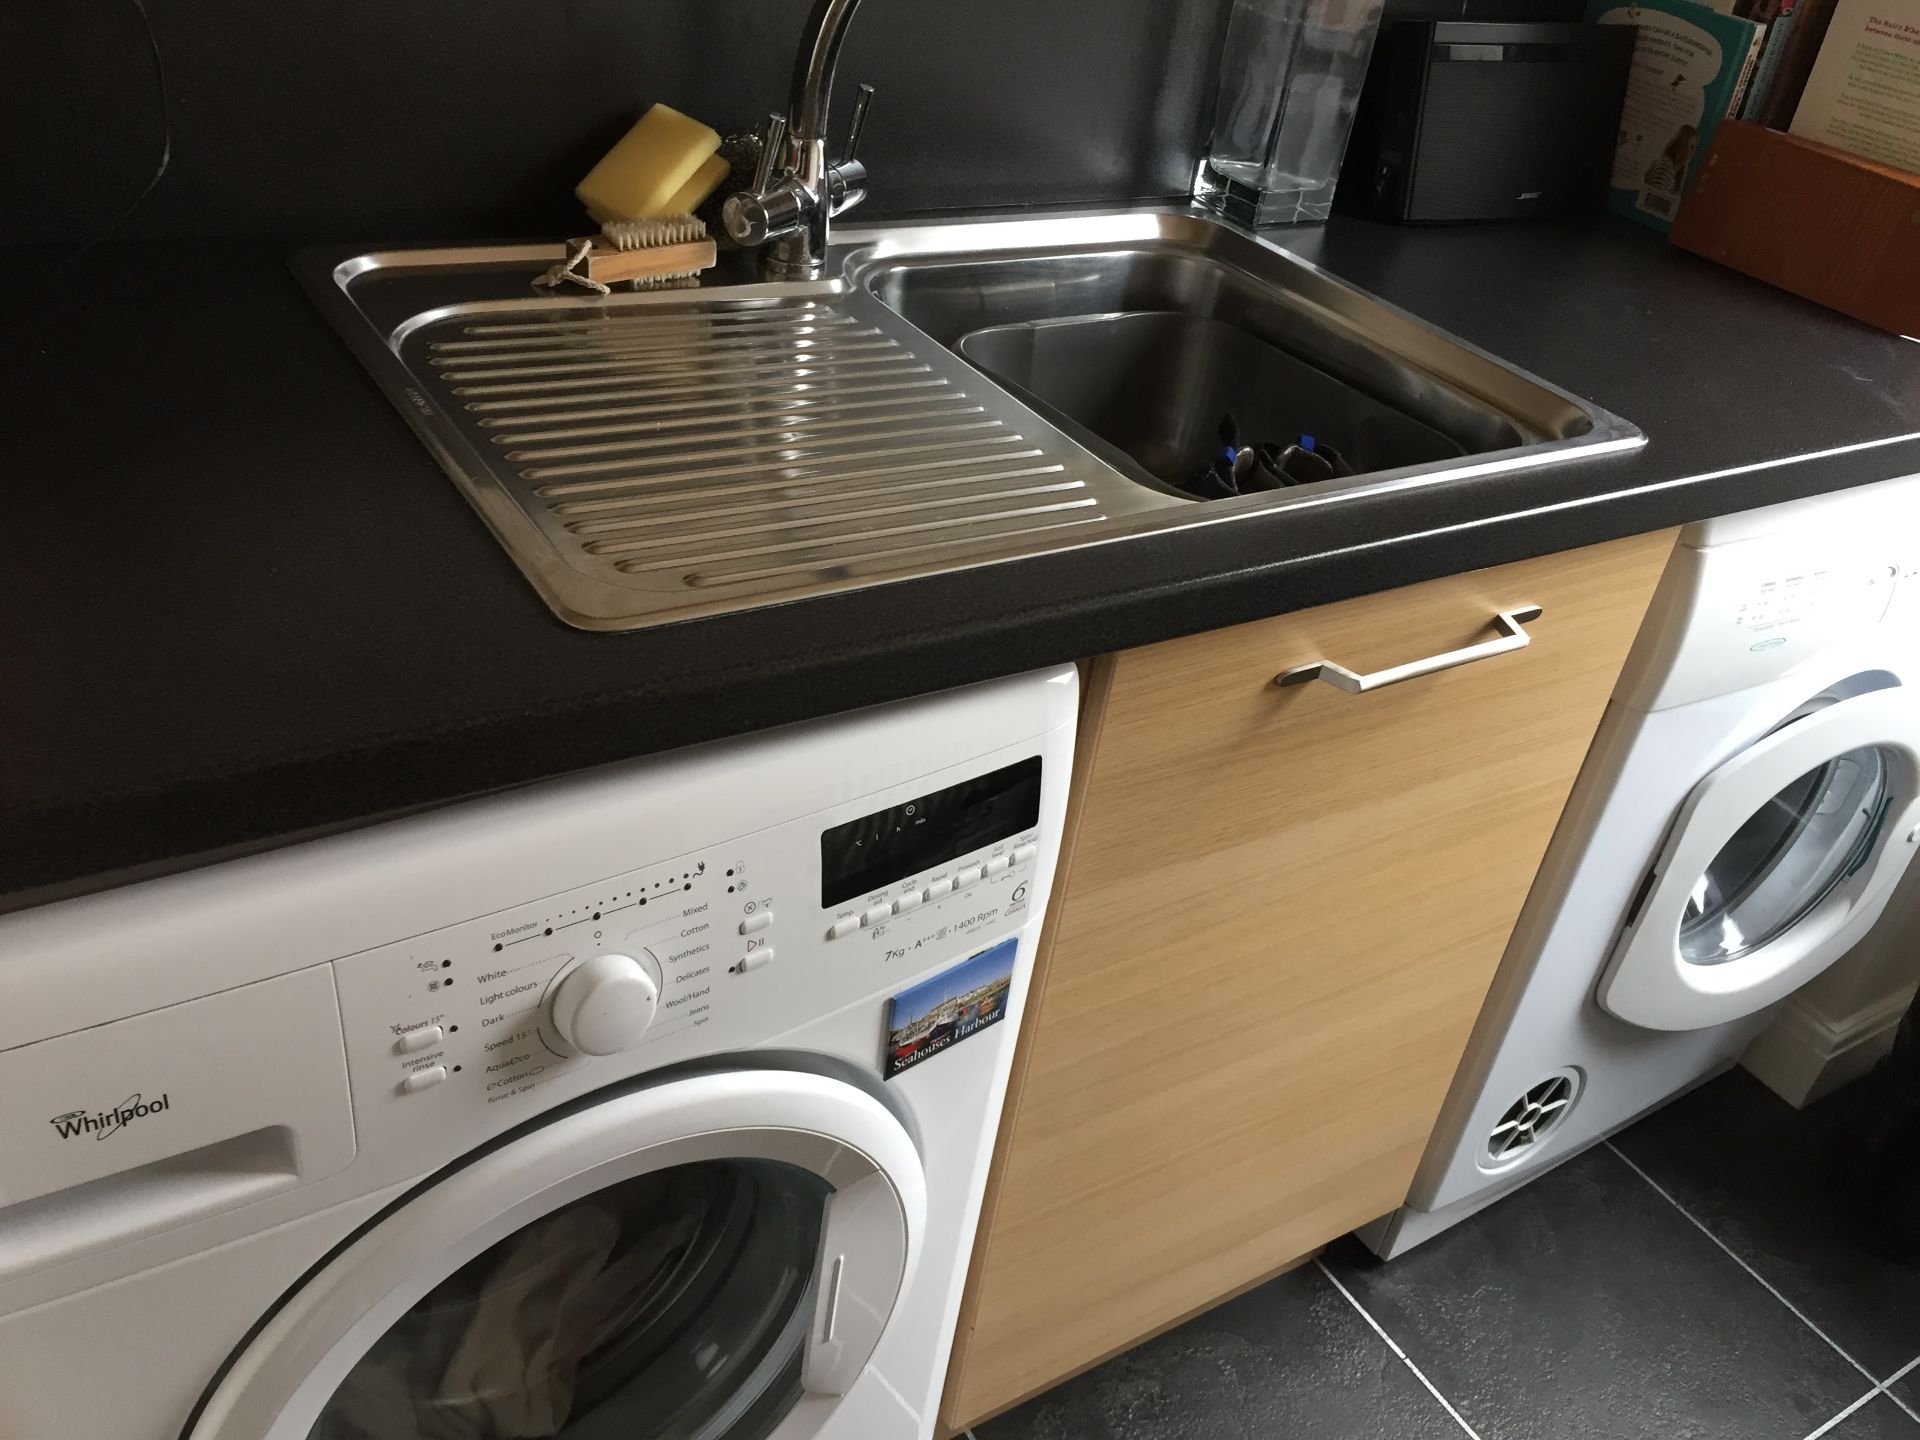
[1864, 1400]
[1394, 1346]
[1728, 1250]
[1915, 1414]
[1886, 1386]
[1881, 1388]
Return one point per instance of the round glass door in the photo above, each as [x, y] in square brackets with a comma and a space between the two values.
[1787, 858]
[669, 1306]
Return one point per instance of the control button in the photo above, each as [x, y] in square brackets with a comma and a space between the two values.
[425, 1038]
[966, 877]
[908, 902]
[754, 959]
[879, 914]
[997, 864]
[423, 1079]
[753, 924]
[1023, 853]
[605, 1005]
[843, 927]
[940, 889]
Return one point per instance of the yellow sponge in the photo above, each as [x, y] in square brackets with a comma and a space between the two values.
[705, 181]
[644, 174]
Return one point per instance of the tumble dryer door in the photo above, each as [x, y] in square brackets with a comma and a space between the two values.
[703, 1258]
[1779, 861]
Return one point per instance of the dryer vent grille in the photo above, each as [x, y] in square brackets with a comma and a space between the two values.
[1531, 1118]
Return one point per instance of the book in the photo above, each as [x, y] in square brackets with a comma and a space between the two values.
[1863, 95]
[1810, 19]
[1691, 64]
[1749, 67]
[1772, 51]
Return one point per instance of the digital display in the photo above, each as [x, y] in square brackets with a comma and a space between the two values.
[874, 851]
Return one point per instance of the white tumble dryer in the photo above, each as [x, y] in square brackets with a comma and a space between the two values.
[652, 1103]
[1750, 800]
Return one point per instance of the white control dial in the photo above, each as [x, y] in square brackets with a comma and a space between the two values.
[605, 1005]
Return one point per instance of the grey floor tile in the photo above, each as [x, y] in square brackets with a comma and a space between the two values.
[1586, 1306]
[1759, 1174]
[1879, 1419]
[1908, 1389]
[1291, 1359]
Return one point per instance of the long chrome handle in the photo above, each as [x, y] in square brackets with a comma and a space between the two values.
[1507, 622]
[773, 144]
[860, 104]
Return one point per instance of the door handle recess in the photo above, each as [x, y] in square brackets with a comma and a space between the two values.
[1512, 637]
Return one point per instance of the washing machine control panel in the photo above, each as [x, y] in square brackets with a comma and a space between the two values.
[454, 1034]
[1754, 610]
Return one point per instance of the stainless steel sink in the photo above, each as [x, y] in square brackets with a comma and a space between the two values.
[1276, 338]
[1158, 394]
[649, 457]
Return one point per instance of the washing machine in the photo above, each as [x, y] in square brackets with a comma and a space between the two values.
[655, 1102]
[1750, 800]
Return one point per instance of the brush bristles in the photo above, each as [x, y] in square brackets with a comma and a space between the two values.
[645, 234]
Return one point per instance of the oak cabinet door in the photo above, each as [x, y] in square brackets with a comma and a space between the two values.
[1280, 914]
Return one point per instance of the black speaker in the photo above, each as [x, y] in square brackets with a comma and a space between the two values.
[1468, 121]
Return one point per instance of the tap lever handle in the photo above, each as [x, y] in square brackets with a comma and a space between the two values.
[846, 186]
[860, 105]
[771, 145]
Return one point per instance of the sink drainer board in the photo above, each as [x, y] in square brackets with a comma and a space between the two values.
[651, 457]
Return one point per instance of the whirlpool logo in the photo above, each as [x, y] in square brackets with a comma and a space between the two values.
[111, 1121]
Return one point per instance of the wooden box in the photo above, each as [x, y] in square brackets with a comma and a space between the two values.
[1840, 230]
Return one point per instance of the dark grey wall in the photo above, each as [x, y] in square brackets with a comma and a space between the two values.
[332, 119]
[424, 119]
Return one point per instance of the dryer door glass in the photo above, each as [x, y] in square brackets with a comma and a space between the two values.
[1787, 858]
[669, 1306]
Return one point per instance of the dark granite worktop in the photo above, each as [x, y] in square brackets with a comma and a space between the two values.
[239, 602]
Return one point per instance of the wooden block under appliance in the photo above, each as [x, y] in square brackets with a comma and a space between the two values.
[1839, 230]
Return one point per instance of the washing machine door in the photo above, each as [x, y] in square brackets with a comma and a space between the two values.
[686, 1260]
[1779, 862]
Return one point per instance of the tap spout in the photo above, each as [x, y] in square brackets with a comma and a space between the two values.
[813, 66]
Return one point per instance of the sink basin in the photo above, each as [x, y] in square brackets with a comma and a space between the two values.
[1153, 391]
[952, 395]
[1139, 335]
